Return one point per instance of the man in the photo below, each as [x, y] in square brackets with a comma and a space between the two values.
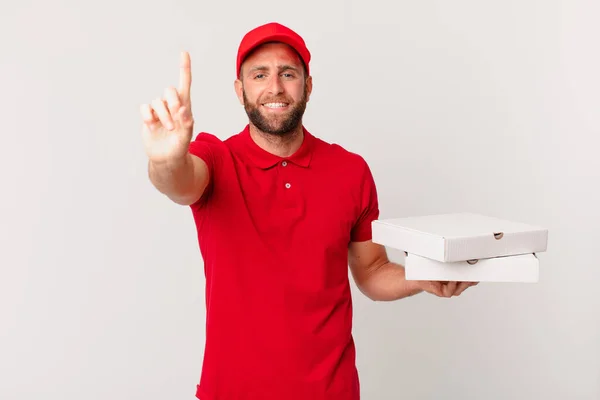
[280, 214]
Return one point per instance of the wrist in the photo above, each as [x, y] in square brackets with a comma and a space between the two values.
[171, 163]
[413, 287]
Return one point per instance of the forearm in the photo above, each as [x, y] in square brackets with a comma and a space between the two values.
[177, 179]
[388, 282]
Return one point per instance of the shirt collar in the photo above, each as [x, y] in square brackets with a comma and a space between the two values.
[263, 159]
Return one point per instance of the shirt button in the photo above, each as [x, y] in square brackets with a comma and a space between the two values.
[287, 186]
[284, 163]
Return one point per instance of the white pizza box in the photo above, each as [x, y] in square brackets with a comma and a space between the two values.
[459, 236]
[510, 269]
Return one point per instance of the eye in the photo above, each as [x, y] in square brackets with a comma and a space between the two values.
[259, 76]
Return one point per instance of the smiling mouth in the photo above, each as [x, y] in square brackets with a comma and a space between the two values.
[275, 105]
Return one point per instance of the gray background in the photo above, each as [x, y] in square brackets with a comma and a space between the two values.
[483, 106]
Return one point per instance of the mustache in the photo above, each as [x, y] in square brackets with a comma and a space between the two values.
[276, 100]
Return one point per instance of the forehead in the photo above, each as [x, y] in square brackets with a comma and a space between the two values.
[273, 54]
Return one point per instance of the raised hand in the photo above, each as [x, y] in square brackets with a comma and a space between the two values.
[168, 122]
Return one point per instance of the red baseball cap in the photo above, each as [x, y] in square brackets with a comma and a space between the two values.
[272, 32]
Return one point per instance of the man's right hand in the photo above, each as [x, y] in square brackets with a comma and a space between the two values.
[167, 132]
[168, 122]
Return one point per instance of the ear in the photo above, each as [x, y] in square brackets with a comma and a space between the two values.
[239, 90]
[308, 87]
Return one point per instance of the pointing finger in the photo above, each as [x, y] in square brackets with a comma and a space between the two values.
[185, 77]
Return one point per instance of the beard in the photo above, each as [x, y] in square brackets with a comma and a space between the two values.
[277, 125]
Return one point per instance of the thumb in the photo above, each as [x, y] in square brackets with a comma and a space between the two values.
[184, 115]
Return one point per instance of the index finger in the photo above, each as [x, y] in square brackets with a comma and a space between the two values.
[185, 77]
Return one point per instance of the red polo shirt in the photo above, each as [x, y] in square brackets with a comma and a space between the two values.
[274, 233]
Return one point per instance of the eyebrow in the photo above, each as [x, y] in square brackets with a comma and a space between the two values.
[283, 67]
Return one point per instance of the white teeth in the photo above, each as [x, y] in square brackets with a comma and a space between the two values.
[275, 105]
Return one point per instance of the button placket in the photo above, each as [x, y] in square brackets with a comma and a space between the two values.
[288, 185]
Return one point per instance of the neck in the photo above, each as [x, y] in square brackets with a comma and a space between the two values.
[280, 145]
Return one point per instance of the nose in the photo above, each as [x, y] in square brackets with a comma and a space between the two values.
[275, 86]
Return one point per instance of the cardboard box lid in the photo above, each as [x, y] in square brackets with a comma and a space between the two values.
[522, 268]
[459, 236]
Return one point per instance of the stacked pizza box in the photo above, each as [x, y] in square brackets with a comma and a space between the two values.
[465, 247]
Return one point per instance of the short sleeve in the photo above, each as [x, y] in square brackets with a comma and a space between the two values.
[207, 147]
[369, 208]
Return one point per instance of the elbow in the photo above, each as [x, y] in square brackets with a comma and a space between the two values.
[367, 284]
[371, 294]
[362, 288]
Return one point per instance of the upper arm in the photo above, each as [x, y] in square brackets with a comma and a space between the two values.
[368, 205]
[201, 178]
[364, 258]
[206, 151]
